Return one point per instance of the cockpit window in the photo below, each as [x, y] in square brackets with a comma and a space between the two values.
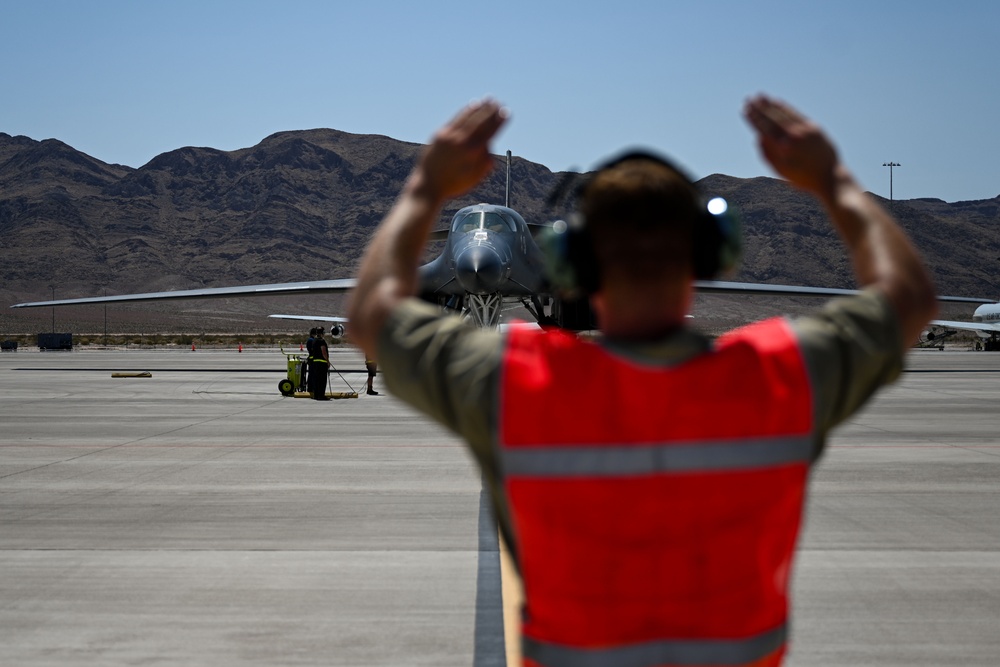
[480, 220]
[497, 223]
[467, 223]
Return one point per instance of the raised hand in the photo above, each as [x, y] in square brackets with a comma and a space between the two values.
[796, 147]
[458, 157]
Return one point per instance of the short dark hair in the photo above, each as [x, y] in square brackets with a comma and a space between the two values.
[641, 214]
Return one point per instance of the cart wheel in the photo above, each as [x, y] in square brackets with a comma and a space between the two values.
[286, 388]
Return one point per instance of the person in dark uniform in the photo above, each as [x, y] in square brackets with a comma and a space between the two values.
[310, 341]
[319, 363]
[372, 367]
[306, 379]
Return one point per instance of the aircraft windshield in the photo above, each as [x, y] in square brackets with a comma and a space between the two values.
[479, 220]
[467, 223]
[497, 223]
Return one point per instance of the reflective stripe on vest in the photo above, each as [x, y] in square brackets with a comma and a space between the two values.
[655, 510]
[611, 460]
[664, 652]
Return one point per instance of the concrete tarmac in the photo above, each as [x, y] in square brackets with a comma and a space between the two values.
[197, 517]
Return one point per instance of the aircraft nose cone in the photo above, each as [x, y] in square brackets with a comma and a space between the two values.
[479, 270]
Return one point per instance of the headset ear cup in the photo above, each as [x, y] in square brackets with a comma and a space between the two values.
[727, 221]
[570, 263]
[731, 248]
[706, 244]
[581, 255]
[718, 240]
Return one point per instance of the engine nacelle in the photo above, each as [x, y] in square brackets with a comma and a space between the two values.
[936, 336]
[336, 330]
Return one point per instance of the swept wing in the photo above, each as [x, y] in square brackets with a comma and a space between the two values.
[277, 289]
[767, 289]
[346, 284]
[312, 318]
[988, 327]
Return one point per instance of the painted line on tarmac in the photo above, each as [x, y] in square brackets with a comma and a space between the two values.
[962, 446]
[951, 370]
[488, 648]
[179, 370]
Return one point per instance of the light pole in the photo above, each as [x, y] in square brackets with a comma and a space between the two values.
[890, 165]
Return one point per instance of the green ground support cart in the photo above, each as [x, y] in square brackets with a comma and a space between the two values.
[295, 383]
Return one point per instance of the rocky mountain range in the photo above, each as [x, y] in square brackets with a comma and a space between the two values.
[302, 204]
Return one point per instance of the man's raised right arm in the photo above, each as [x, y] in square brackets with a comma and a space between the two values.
[456, 160]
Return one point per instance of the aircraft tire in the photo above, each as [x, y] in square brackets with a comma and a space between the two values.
[286, 388]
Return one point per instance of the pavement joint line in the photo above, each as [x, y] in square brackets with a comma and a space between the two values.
[238, 393]
[351, 550]
[263, 445]
[930, 446]
[960, 396]
[138, 440]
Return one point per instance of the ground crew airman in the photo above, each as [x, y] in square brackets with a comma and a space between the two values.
[649, 484]
[372, 367]
[305, 368]
[319, 366]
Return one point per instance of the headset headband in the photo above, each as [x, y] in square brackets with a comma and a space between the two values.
[570, 259]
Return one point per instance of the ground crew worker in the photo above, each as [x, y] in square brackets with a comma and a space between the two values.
[319, 366]
[310, 341]
[372, 368]
[650, 485]
[306, 380]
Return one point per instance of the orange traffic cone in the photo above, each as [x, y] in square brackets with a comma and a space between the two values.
[300, 347]
[241, 348]
[192, 346]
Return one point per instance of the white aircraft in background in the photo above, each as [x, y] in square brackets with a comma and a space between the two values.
[985, 324]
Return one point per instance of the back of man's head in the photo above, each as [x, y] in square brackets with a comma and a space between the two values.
[640, 214]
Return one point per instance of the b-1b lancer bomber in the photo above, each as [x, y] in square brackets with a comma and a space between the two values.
[490, 262]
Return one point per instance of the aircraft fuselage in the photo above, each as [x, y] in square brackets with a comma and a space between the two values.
[988, 312]
[489, 250]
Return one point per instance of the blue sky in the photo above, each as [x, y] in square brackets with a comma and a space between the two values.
[910, 82]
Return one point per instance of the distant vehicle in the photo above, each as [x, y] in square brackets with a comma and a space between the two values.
[55, 341]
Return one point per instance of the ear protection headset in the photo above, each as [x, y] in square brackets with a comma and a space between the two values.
[569, 250]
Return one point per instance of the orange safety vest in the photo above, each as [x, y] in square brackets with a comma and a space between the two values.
[656, 510]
